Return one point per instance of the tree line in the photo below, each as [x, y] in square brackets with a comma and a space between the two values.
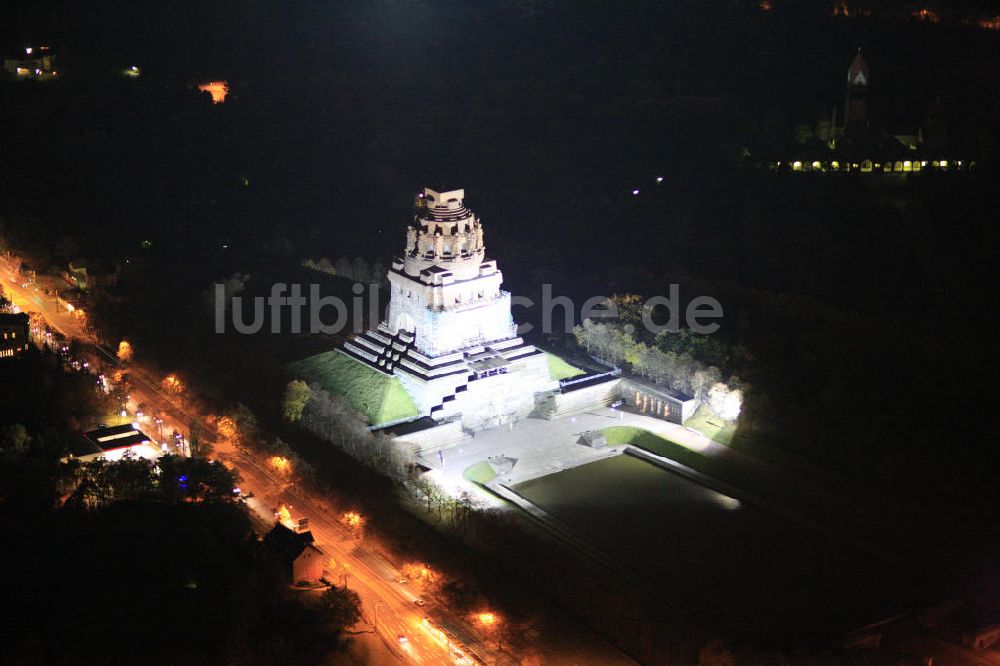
[616, 344]
[332, 419]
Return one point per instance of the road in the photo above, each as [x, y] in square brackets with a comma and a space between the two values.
[388, 606]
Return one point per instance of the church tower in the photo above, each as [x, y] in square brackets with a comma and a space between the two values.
[448, 334]
[856, 106]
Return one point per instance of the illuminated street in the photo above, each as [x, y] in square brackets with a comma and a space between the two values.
[366, 573]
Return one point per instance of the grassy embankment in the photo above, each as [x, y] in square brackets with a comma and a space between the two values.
[380, 398]
[560, 369]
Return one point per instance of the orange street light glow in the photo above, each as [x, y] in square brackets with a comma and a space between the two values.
[487, 619]
[280, 464]
[217, 89]
[173, 384]
[124, 351]
[353, 519]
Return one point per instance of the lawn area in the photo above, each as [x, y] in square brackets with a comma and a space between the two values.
[560, 369]
[716, 468]
[708, 424]
[479, 473]
[380, 398]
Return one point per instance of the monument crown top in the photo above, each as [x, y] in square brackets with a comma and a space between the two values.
[443, 198]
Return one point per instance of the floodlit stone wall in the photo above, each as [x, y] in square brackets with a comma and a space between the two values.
[439, 332]
[582, 399]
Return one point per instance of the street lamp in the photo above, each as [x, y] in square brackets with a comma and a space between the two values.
[490, 622]
[354, 521]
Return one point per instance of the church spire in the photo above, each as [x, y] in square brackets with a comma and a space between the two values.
[857, 73]
[856, 106]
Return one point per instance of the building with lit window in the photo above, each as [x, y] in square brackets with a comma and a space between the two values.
[112, 443]
[862, 144]
[37, 63]
[449, 335]
[14, 338]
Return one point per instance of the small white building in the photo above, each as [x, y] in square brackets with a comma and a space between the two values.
[449, 335]
[112, 444]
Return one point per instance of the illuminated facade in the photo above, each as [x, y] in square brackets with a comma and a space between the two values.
[13, 334]
[449, 335]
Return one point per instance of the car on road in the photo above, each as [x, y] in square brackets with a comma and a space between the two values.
[403, 640]
[617, 403]
[419, 602]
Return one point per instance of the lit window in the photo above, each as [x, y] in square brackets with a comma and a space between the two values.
[816, 165]
[796, 166]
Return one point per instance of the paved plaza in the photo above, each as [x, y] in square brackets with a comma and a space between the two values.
[541, 447]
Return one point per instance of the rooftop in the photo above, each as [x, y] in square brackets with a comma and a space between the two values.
[115, 437]
[286, 543]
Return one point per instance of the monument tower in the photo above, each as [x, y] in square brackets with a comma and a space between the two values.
[449, 335]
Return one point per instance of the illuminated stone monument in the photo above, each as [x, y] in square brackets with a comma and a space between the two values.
[449, 335]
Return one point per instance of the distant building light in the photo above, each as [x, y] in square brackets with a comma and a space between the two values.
[796, 166]
[28, 50]
[944, 164]
[816, 165]
[635, 192]
[217, 89]
[134, 68]
[659, 179]
[835, 164]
